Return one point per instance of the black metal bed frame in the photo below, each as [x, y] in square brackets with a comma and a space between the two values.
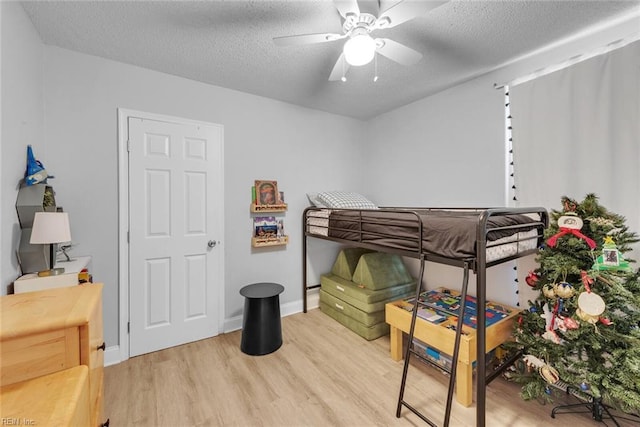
[477, 264]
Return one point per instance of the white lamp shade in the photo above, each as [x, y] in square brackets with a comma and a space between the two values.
[50, 227]
[359, 50]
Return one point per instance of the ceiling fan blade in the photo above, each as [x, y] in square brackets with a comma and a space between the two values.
[347, 7]
[340, 69]
[307, 39]
[405, 10]
[398, 52]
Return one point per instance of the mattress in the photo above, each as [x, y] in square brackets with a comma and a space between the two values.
[357, 300]
[367, 332]
[450, 234]
[318, 221]
[367, 319]
[341, 288]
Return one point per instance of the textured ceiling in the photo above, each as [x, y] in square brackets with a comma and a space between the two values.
[229, 43]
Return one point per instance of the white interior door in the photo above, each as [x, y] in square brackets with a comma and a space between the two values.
[175, 228]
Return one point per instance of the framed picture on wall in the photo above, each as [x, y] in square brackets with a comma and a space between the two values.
[266, 192]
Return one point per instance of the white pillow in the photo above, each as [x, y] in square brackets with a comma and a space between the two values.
[345, 200]
[315, 201]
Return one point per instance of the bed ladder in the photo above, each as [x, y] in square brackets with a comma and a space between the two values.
[410, 350]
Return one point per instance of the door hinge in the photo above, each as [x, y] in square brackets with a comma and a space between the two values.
[128, 327]
[128, 145]
[127, 236]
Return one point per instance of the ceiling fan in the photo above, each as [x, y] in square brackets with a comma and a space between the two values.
[361, 48]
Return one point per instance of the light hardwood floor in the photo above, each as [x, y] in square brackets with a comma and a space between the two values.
[323, 375]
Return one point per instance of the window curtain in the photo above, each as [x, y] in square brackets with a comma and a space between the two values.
[577, 131]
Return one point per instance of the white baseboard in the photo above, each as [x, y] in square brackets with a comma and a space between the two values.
[112, 355]
[313, 301]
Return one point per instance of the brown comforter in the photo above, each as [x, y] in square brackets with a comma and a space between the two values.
[452, 234]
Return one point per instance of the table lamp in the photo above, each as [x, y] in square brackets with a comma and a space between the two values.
[50, 228]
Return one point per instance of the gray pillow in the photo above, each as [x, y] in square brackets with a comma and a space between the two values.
[345, 200]
[315, 200]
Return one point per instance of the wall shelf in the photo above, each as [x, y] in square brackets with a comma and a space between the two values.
[268, 219]
[258, 242]
[268, 208]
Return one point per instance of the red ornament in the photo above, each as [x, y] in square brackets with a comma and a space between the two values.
[570, 323]
[532, 278]
[606, 321]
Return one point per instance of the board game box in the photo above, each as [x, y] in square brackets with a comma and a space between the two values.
[447, 303]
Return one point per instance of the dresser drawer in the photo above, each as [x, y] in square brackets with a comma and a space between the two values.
[39, 354]
[58, 399]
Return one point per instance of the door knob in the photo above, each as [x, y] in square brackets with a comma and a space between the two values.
[212, 243]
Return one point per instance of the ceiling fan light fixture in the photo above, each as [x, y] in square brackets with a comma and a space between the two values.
[359, 50]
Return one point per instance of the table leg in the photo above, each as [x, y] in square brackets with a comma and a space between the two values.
[395, 337]
[464, 384]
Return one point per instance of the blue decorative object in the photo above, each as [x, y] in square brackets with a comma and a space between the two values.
[35, 172]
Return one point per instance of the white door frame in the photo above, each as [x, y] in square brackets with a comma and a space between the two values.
[123, 219]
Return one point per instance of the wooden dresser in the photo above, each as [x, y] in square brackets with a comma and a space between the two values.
[45, 332]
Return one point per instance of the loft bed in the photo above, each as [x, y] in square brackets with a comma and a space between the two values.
[471, 238]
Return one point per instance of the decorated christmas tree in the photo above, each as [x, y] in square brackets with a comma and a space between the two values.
[583, 329]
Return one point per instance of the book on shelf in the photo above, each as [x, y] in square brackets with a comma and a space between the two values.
[265, 227]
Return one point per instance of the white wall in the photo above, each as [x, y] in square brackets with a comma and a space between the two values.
[264, 139]
[448, 149]
[22, 124]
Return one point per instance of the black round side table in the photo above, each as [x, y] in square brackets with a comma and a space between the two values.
[261, 328]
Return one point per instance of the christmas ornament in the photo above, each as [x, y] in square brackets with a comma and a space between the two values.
[548, 317]
[591, 304]
[586, 317]
[584, 386]
[570, 323]
[546, 371]
[570, 223]
[552, 336]
[611, 259]
[532, 278]
[548, 291]
[605, 321]
[564, 290]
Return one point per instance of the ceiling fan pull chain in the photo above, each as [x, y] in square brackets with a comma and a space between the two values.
[344, 77]
[375, 67]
